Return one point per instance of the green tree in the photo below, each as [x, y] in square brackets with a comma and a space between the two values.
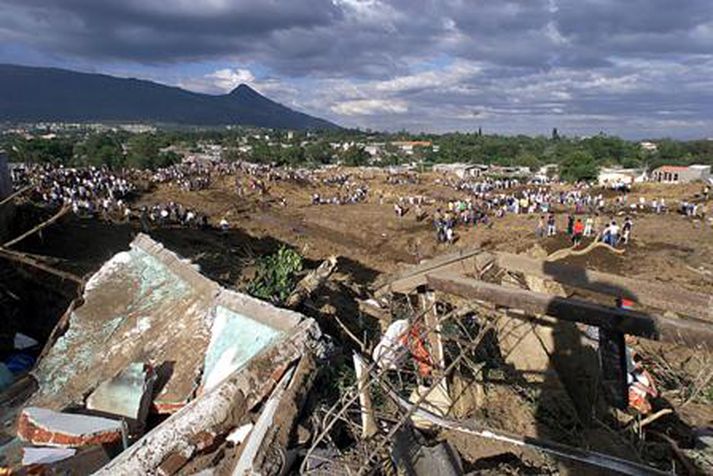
[579, 166]
[355, 156]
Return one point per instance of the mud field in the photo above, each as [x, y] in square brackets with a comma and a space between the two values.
[370, 239]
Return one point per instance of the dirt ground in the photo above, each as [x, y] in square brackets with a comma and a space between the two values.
[370, 239]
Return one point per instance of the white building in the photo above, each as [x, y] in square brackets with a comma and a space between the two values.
[461, 170]
[611, 177]
[648, 146]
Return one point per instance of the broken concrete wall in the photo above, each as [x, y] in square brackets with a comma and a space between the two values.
[147, 305]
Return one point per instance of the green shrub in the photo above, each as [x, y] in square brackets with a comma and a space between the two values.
[275, 277]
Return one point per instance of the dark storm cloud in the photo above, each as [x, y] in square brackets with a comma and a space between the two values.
[155, 30]
[402, 63]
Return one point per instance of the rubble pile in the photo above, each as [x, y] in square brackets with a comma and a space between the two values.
[154, 366]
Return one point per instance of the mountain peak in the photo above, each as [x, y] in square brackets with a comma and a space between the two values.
[47, 94]
[244, 90]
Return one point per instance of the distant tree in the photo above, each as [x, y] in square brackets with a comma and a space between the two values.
[39, 151]
[555, 134]
[579, 166]
[319, 152]
[355, 156]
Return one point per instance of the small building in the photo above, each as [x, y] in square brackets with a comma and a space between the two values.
[461, 170]
[513, 172]
[681, 174]
[409, 147]
[616, 176]
[648, 146]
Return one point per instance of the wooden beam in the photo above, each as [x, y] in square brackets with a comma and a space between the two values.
[658, 295]
[10, 198]
[28, 260]
[463, 262]
[39, 227]
[688, 330]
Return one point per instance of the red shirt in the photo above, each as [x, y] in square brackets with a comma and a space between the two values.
[578, 228]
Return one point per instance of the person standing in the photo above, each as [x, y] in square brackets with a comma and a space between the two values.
[588, 224]
[551, 230]
[578, 232]
[626, 230]
[540, 230]
[613, 233]
[570, 224]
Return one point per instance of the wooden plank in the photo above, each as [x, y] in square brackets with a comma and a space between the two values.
[463, 261]
[687, 330]
[39, 227]
[661, 296]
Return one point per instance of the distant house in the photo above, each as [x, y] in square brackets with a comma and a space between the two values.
[461, 170]
[374, 149]
[681, 174]
[648, 146]
[408, 147]
[618, 176]
[514, 172]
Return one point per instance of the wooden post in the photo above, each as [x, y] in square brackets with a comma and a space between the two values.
[428, 306]
[368, 422]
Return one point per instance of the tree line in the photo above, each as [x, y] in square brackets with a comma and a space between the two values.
[578, 158]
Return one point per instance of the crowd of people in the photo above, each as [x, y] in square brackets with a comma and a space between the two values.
[87, 191]
[101, 192]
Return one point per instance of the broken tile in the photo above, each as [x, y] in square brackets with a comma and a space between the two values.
[46, 427]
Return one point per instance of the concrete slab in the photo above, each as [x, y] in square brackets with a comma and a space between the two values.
[41, 426]
[40, 455]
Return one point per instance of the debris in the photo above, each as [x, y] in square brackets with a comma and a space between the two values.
[368, 422]
[255, 439]
[238, 435]
[218, 410]
[148, 302]
[6, 377]
[310, 283]
[63, 211]
[38, 455]
[127, 395]
[276, 454]
[235, 339]
[435, 400]
[40, 426]
[416, 459]
[389, 351]
[23, 341]
[588, 457]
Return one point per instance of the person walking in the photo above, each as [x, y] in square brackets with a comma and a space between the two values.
[626, 230]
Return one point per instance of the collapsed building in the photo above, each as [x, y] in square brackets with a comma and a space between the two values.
[154, 367]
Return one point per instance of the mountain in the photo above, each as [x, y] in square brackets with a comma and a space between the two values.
[29, 94]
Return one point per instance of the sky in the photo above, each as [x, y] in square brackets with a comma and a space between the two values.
[634, 68]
